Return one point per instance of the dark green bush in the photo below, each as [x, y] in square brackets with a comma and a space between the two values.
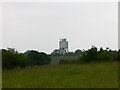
[93, 55]
[37, 57]
[12, 59]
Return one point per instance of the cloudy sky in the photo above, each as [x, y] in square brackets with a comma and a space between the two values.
[40, 26]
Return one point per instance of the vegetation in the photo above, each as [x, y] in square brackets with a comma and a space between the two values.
[11, 58]
[90, 75]
[78, 52]
[95, 55]
[37, 57]
[118, 57]
[73, 73]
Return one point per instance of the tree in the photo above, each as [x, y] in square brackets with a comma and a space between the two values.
[37, 58]
[55, 53]
[78, 52]
[101, 49]
[45, 58]
[90, 55]
[118, 57]
[12, 59]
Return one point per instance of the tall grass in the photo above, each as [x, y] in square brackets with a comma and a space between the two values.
[93, 75]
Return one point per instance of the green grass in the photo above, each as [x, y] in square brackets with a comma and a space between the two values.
[94, 75]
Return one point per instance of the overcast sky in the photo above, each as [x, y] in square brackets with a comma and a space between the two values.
[40, 26]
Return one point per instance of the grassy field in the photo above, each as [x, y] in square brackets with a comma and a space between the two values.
[94, 75]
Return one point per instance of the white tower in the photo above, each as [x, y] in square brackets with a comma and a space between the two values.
[63, 46]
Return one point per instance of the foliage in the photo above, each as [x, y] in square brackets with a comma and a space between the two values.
[118, 57]
[95, 55]
[12, 59]
[56, 52]
[37, 57]
[91, 54]
[69, 54]
[78, 52]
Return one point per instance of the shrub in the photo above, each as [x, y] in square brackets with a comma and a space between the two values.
[38, 58]
[12, 59]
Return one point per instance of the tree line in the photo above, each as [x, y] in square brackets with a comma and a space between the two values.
[76, 53]
[95, 55]
[11, 58]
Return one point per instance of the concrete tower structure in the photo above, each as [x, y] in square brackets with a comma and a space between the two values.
[63, 46]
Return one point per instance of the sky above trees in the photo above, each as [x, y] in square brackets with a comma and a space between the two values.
[41, 25]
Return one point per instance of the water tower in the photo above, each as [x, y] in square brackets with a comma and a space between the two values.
[63, 46]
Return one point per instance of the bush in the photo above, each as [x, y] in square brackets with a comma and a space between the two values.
[93, 55]
[90, 55]
[118, 56]
[12, 59]
[37, 58]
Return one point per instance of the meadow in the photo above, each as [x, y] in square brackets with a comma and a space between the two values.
[92, 75]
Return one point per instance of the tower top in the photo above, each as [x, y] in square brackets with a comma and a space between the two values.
[63, 46]
[64, 39]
